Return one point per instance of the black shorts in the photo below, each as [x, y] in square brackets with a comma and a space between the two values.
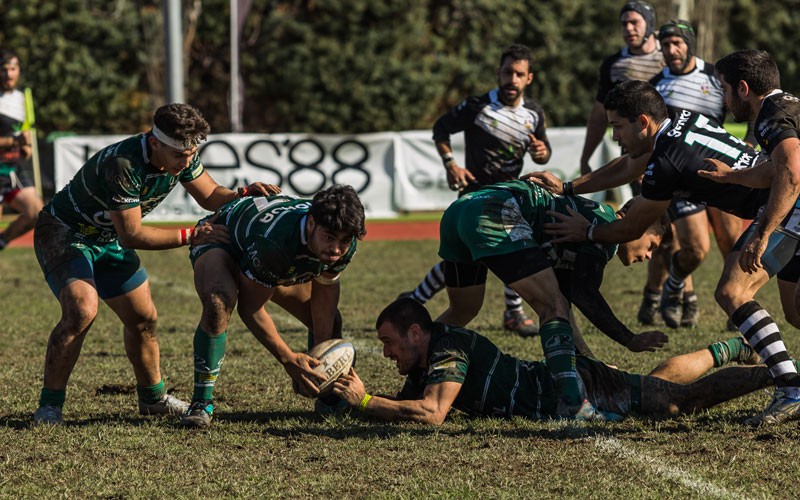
[508, 268]
[681, 207]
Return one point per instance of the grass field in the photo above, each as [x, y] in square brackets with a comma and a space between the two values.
[267, 442]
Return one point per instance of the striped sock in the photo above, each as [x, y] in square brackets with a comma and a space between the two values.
[763, 335]
[513, 300]
[209, 352]
[431, 285]
[559, 351]
[677, 276]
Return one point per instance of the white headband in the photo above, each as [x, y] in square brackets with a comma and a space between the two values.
[174, 144]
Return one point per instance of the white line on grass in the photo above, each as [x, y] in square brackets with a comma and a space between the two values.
[656, 465]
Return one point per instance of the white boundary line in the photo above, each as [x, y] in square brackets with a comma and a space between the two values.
[657, 465]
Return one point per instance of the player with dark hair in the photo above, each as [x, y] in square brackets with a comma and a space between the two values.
[671, 156]
[687, 83]
[85, 241]
[499, 127]
[282, 249]
[500, 228]
[447, 366]
[16, 190]
[640, 59]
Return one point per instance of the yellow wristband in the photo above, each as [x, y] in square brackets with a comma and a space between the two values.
[362, 406]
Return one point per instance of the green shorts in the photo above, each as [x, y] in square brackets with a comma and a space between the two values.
[483, 225]
[65, 256]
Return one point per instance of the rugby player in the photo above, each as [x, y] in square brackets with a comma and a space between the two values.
[500, 228]
[500, 128]
[282, 249]
[687, 83]
[85, 241]
[447, 366]
[671, 155]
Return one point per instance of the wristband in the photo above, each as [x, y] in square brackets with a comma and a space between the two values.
[567, 189]
[448, 157]
[186, 235]
[589, 231]
[242, 192]
[362, 406]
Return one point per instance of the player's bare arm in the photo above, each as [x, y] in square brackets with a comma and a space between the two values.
[210, 195]
[595, 129]
[575, 228]
[132, 234]
[252, 299]
[457, 177]
[325, 291]
[784, 189]
[431, 409]
[757, 177]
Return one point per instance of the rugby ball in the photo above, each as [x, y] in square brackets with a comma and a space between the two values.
[337, 356]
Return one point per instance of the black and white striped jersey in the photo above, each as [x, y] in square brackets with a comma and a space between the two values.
[698, 91]
[624, 66]
[495, 135]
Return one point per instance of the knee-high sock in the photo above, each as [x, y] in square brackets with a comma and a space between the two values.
[209, 351]
[432, 284]
[559, 351]
[763, 335]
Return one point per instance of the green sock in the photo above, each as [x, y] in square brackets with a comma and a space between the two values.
[209, 351]
[52, 397]
[729, 350]
[559, 351]
[152, 393]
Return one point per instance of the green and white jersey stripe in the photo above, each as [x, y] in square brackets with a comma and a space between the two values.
[117, 177]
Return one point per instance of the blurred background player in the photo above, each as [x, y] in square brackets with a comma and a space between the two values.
[284, 250]
[499, 127]
[640, 59]
[85, 241]
[687, 83]
[16, 190]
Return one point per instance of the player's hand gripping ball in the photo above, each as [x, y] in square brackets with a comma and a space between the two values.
[337, 356]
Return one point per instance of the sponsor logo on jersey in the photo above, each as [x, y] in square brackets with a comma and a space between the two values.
[704, 88]
[744, 160]
[649, 170]
[677, 129]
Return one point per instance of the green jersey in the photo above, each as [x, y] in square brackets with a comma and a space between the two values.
[269, 240]
[509, 216]
[117, 177]
[496, 384]
[493, 383]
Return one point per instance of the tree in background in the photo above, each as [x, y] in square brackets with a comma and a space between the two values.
[344, 66]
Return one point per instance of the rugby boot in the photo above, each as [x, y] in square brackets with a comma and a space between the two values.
[781, 409]
[671, 306]
[517, 321]
[648, 307]
[588, 413]
[48, 415]
[167, 405]
[198, 415]
[690, 310]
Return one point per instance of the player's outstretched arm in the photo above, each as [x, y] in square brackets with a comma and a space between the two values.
[299, 366]
[325, 291]
[132, 234]
[431, 409]
[758, 177]
[210, 195]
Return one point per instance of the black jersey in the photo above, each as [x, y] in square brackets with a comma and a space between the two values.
[624, 66]
[678, 154]
[698, 90]
[495, 135]
[778, 119]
